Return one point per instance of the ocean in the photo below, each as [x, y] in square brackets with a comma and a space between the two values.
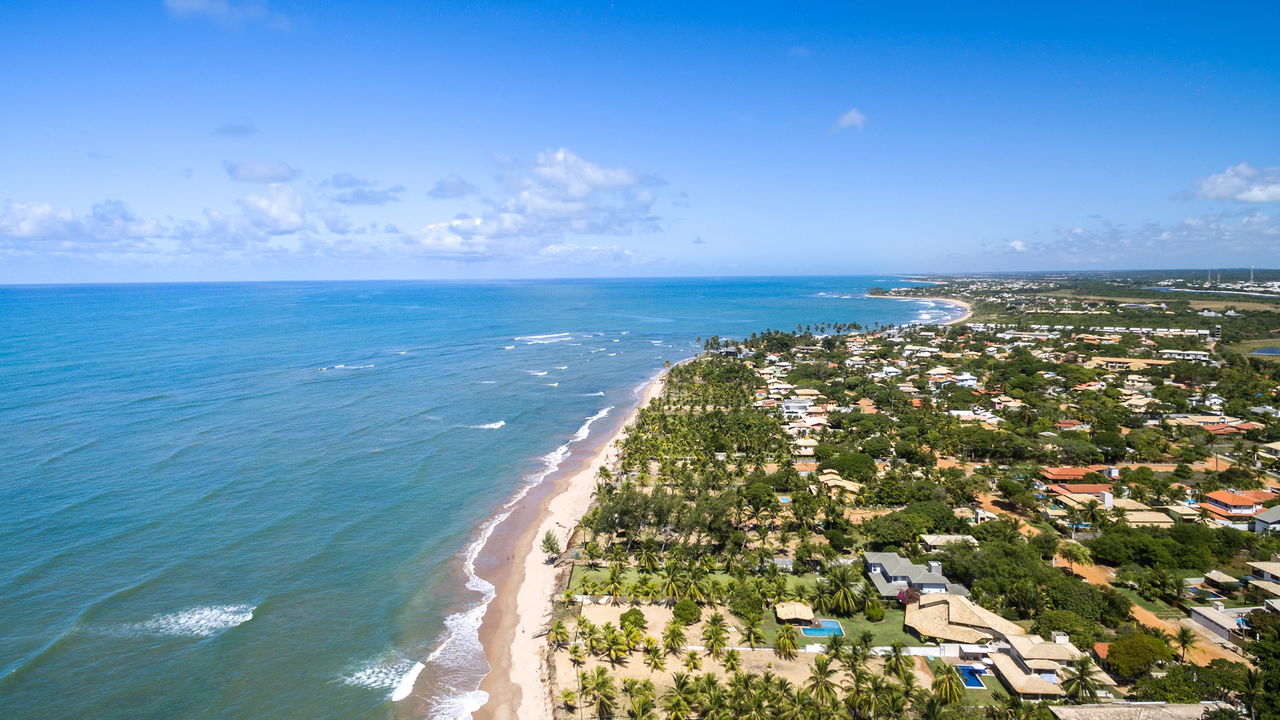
[259, 500]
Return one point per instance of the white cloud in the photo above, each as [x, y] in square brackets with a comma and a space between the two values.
[561, 194]
[369, 196]
[1222, 237]
[1018, 246]
[1242, 183]
[851, 119]
[227, 13]
[280, 212]
[452, 187]
[345, 180]
[610, 256]
[260, 172]
[540, 213]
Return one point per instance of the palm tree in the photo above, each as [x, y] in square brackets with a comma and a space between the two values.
[1075, 553]
[715, 636]
[752, 635]
[841, 590]
[898, 661]
[692, 662]
[948, 688]
[673, 637]
[576, 655]
[1253, 691]
[1185, 638]
[558, 634]
[934, 708]
[1080, 683]
[569, 699]
[732, 661]
[787, 642]
[600, 687]
[821, 683]
[654, 659]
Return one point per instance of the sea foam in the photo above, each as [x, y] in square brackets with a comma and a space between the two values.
[460, 654]
[204, 621]
[489, 426]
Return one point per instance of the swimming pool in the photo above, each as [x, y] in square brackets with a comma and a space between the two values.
[829, 628]
[1266, 351]
[970, 675]
[784, 499]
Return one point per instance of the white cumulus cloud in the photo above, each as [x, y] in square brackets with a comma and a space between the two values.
[851, 119]
[278, 212]
[1242, 183]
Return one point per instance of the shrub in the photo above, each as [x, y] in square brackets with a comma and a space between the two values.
[686, 612]
[875, 613]
[747, 604]
[633, 618]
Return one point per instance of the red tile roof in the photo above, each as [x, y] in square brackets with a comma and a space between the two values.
[1086, 488]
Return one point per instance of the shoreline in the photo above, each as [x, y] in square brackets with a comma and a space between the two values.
[517, 684]
[964, 306]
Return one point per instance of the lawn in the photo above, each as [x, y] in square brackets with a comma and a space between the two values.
[1159, 607]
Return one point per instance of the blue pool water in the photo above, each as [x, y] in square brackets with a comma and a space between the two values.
[970, 676]
[784, 499]
[1266, 351]
[829, 628]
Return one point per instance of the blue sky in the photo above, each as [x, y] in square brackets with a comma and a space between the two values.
[228, 139]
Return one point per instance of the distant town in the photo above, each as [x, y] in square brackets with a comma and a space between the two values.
[1066, 505]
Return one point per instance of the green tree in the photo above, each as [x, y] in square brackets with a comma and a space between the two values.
[1136, 653]
[787, 642]
[1080, 681]
[947, 685]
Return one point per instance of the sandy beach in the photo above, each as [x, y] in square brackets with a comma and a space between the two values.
[516, 621]
[968, 309]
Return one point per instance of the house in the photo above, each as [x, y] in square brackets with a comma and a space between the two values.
[1267, 521]
[1227, 623]
[953, 618]
[1234, 510]
[891, 574]
[796, 407]
[1033, 667]
[1097, 490]
[1270, 450]
[1075, 474]
[1114, 363]
[1196, 356]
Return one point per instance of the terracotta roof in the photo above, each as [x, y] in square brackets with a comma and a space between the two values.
[1229, 498]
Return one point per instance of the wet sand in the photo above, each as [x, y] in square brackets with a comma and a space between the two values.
[515, 624]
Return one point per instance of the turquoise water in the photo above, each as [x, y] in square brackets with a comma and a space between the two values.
[255, 500]
[827, 629]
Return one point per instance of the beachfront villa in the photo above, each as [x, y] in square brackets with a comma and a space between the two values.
[1029, 665]
[891, 574]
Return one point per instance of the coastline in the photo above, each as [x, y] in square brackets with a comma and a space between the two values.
[964, 306]
[517, 685]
